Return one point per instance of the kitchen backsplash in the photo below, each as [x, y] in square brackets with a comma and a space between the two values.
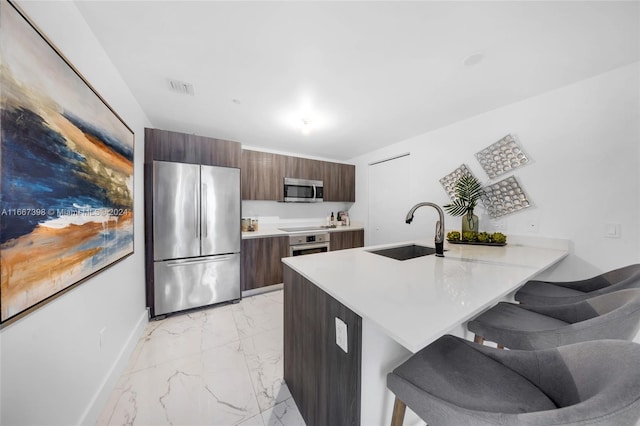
[273, 212]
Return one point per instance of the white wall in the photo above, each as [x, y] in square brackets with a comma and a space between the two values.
[53, 370]
[584, 140]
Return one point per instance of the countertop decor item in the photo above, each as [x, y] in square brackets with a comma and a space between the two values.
[477, 243]
[478, 239]
[468, 191]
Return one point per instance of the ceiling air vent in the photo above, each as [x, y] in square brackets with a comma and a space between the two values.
[181, 87]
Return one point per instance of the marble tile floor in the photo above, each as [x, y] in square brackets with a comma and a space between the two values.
[216, 367]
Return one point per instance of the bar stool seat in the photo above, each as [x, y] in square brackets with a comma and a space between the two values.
[456, 382]
[557, 293]
[609, 316]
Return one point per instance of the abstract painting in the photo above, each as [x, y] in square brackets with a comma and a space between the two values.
[66, 172]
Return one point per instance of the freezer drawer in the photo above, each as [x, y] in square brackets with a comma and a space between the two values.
[190, 283]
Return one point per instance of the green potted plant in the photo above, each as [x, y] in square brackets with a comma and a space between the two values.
[468, 192]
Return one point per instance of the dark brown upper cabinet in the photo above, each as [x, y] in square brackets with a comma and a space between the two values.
[263, 176]
[166, 145]
[303, 168]
[339, 181]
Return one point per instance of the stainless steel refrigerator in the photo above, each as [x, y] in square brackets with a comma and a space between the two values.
[196, 233]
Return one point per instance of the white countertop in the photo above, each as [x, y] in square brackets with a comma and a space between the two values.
[416, 301]
[272, 230]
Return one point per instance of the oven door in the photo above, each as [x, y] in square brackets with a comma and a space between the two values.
[303, 249]
[303, 190]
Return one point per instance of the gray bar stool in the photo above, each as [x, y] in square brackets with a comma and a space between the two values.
[609, 316]
[558, 293]
[459, 383]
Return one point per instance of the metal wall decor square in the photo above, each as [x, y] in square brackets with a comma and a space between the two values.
[449, 181]
[502, 157]
[505, 197]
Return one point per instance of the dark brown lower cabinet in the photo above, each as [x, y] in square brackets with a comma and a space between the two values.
[342, 240]
[324, 380]
[262, 261]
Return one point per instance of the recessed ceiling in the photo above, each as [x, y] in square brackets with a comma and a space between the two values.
[367, 74]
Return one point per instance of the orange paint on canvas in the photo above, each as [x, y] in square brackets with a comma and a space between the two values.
[91, 147]
[39, 264]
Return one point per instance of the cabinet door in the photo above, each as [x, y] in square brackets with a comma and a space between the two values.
[262, 261]
[164, 145]
[218, 152]
[342, 240]
[262, 175]
[303, 168]
[339, 181]
[347, 182]
[170, 146]
[331, 180]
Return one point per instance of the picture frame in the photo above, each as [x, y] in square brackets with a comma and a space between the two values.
[66, 172]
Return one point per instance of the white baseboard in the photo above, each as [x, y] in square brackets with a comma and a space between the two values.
[266, 289]
[94, 409]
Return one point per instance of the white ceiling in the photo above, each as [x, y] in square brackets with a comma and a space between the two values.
[367, 74]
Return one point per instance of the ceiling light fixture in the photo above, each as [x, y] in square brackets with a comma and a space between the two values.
[473, 59]
[306, 126]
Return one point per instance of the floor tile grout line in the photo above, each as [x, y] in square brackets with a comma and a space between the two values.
[244, 356]
[189, 354]
[260, 304]
[255, 388]
[189, 318]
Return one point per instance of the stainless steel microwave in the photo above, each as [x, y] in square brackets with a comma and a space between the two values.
[302, 190]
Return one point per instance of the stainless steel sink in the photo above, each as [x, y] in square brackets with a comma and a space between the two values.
[410, 251]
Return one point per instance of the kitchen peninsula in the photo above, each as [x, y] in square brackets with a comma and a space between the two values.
[391, 309]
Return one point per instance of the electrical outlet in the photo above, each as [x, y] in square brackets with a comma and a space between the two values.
[498, 224]
[612, 230]
[341, 335]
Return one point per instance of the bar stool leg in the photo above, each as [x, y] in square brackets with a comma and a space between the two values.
[399, 408]
[478, 339]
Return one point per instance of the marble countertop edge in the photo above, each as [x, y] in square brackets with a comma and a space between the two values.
[456, 288]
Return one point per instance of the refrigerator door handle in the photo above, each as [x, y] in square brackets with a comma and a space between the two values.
[205, 211]
[196, 202]
[174, 263]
